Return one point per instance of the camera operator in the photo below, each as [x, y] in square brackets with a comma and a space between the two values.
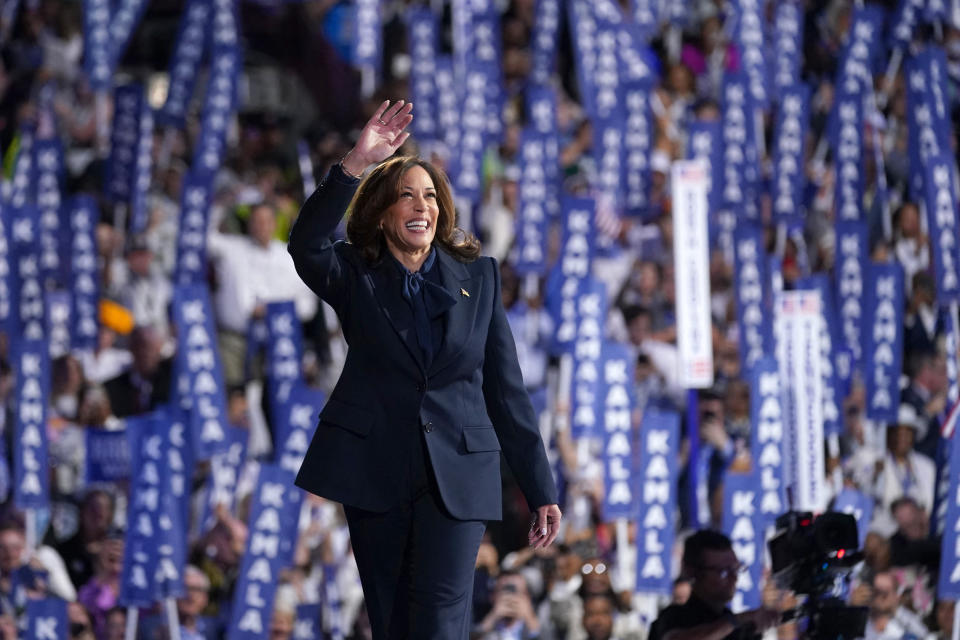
[712, 566]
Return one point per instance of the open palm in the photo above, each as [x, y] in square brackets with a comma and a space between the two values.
[383, 134]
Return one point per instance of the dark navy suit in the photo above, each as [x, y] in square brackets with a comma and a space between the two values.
[412, 449]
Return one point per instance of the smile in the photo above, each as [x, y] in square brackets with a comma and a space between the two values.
[417, 226]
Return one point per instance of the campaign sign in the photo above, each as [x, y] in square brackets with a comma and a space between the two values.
[199, 362]
[617, 401]
[108, 456]
[766, 426]
[744, 525]
[31, 472]
[657, 484]
[253, 598]
[691, 255]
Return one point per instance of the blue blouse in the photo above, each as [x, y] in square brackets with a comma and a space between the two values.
[423, 290]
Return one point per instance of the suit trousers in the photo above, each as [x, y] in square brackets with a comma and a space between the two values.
[416, 561]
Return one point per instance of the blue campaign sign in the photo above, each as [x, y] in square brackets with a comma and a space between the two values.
[927, 117]
[368, 50]
[467, 163]
[122, 24]
[754, 323]
[48, 163]
[789, 179]
[84, 273]
[7, 283]
[195, 200]
[749, 38]
[96, 51]
[29, 313]
[221, 100]
[585, 402]
[739, 148]
[787, 44]
[301, 414]
[308, 624]
[949, 582]
[850, 273]
[744, 524]
[185, 62]
[128, 106]
[573, 266]
[199, 364]
[883, 343]
[534, 187]
[259, 573]
[637, 146]
[941, 205]
[546, 26]
[657, 483]
[57, 306]
[284, 350]
[139, 582]
[423, 29]
[142, 171]
[767, 432]
[47, 619]
[617, 401]
[848, 149]
[31, 489]
[108, 456]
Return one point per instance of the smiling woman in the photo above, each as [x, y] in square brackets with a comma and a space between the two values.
[405, 190]
[431, 391]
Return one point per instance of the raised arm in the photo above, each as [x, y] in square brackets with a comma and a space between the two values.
[314, 254]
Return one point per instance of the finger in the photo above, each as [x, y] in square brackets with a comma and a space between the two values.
[378, 114]
[392, 111]
[554, 531]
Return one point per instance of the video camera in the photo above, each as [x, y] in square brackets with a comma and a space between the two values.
[813, 555]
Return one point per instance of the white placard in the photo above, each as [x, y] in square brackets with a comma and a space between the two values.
[691, 250]
[798, 314]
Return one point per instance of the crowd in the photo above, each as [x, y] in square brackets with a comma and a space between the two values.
[578, 589]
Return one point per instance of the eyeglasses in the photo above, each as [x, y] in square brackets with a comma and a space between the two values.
[598, 569]
[726, 572]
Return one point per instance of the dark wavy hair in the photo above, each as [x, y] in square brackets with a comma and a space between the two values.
[381, 188]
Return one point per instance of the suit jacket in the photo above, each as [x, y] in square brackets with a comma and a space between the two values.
[470, 403]
[123, 393]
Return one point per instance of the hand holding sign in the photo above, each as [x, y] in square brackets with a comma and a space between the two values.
[381, 136]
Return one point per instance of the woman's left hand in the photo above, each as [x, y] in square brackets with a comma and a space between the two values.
[546, 526]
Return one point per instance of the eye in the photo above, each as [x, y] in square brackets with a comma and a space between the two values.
[432, 195]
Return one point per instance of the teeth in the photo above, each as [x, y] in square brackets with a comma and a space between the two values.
[417, 225]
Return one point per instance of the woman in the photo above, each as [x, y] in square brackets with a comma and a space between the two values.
[431, 390]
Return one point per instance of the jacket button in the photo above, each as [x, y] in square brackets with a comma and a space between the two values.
[428, 427]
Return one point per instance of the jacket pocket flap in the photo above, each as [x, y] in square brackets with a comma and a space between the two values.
[480, 439]
[351, 417]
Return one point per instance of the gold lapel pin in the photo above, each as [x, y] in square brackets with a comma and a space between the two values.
[463, 292]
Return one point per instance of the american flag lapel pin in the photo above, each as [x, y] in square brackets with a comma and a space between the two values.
[463, 292]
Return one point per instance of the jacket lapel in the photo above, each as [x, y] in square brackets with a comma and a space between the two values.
[387, 288]
[456, 279]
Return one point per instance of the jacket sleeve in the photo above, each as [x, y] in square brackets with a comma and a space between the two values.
[315, 255]
[509, 407]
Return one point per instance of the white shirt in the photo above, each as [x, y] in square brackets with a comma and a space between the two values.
[249, 274]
